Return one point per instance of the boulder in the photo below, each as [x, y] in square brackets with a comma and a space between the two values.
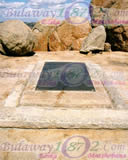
[109, 13]
[95, 40]
[42, 31]
[118, 37]
[69, 35]
[16, 38]
[113, 14]
[119, 4]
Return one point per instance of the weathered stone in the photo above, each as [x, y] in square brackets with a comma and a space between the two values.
[118, 37]
[119, 4]
[42, 30]
[113, 15]
[107, 47]
[21, 144]
[1, 49]
[16, 38]
[62, 98]
[69, 35]
[58, 144]
[95, 41]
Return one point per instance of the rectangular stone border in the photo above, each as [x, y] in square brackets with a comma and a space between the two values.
[13, 99]
[32, 117]
[61, 99]
[115, 92]
[37, 118]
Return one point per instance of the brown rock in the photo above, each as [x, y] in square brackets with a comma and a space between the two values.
[42, 30]
[118, 37]
[107, 47]
[119, 4]
[69, 36]
[113, 15]
[118, 29]
[2, 49]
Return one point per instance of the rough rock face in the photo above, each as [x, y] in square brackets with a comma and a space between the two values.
[95, 41]
[16, 38]
[107, 47]
[69, 36]
[120, 4]
[113, 14]
[118, 37]
[42, 30]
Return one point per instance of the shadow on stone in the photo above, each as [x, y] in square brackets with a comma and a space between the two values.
[92, 52]
[14, 55]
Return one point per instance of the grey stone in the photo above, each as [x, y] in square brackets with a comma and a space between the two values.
[95, 41]
[16, 38]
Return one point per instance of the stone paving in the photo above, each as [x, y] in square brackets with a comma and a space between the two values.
[64, 124]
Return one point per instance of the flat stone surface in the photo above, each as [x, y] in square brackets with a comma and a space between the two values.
[66, 76]
[36, 125]
[50, 144]
[24, 107]
[38, 118]
[62, 98]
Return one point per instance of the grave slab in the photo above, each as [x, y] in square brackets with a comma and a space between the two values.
[81, 92]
